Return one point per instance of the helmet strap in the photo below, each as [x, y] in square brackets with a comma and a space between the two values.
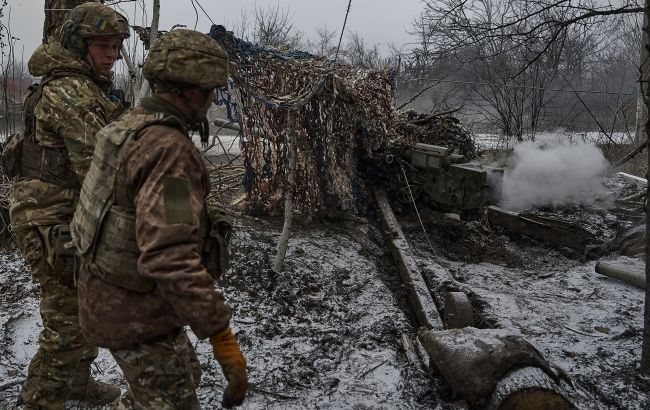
[201, 125]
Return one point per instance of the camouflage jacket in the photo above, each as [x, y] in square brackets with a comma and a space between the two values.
[71, 111]
[163, 178]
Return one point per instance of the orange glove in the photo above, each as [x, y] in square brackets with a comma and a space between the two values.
[226, 351]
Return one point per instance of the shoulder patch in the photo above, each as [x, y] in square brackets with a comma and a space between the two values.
[178, 203]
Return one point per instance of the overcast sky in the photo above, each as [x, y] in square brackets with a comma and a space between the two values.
[379, 21]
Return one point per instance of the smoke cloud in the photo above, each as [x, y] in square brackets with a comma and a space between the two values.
[555, 175]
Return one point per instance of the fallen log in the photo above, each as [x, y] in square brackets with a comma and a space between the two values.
[636, 278]
[495, 367]
[420, 297]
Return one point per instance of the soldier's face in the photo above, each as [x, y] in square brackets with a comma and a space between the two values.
[103, 52]
[202, 99]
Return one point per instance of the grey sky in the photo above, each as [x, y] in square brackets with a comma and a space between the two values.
[379, 21]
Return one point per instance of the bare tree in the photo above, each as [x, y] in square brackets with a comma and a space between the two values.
[270, 27]
[155, 19]
[11, 72]
[325, 43]
[508, 71]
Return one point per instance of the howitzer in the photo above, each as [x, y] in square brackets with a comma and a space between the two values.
[435, 176]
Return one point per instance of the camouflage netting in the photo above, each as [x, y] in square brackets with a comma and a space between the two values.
[343, 113]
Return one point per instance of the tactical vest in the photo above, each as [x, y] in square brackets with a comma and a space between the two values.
[103, 227]
[25, 157]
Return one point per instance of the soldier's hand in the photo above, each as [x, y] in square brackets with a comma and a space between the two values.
[227, 352]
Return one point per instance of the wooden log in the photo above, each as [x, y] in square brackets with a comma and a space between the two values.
[636, 278]
[631, 198]
[283, 242]
[554, 231]
[409, 351]
[419, 295]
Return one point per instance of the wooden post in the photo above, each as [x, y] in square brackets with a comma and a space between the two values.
[132, 73]
[144, 89]
[645, 352]
[288, 196]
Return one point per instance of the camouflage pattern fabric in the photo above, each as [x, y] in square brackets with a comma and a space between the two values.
[64, 356]
[168, 59]
[156, 162]
[71, 111]
[163, 374]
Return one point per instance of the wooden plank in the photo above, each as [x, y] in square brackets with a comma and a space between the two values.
[419, 295]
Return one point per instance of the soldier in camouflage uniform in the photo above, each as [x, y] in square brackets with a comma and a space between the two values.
[149, 245]
[71, 104]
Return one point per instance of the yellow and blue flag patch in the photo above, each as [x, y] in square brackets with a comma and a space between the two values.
[101, 24]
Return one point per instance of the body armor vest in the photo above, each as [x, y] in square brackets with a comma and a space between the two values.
[26, 158]
[103, 227]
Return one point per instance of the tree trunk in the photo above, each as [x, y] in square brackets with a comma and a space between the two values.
[645, 354]
[144, 89]
[55, 14]
[644, 74]
[288, 196]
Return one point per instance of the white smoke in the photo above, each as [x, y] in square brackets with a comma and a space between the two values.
[555, 175]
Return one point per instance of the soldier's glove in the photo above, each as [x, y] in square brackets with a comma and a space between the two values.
[226, 351]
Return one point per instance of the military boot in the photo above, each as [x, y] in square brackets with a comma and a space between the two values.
[94, 392]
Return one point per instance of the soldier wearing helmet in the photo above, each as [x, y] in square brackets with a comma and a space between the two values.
[150, 247]
[61, 117]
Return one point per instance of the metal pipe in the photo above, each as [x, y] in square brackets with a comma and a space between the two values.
[630, 276]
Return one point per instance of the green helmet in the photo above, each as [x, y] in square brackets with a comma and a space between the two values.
[90, 20]
[187, 57]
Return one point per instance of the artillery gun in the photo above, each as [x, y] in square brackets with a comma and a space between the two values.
[435, 176]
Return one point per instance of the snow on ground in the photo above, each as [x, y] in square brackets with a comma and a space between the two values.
[323, 334]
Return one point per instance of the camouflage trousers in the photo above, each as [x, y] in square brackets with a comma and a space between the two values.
[64, 356]
[162, 373]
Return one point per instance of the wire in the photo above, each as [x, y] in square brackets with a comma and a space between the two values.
[345, 22]
[203, 10]
[408, 185]
[196, 14]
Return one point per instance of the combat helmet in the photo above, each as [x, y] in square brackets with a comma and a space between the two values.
[186, 58]
[90, 20]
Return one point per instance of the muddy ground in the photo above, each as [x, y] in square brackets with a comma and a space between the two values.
[324, 333]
